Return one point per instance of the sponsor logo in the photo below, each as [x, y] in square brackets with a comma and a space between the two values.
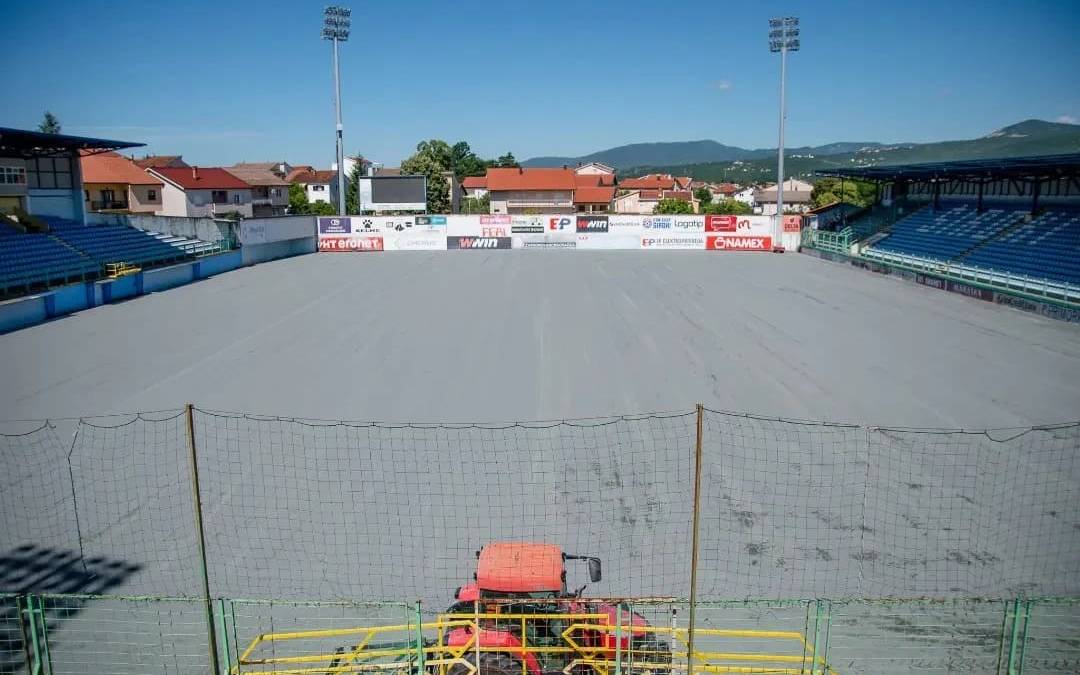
[337, 244]
[549, 244]
[367, 225]
[688, 224]
[494, 220]
[453, 243]
[656, 223]
[720, 242]
[420, 244]
[335, 225]
[592, 224]
[722, 223]
[672, 242]
[399, 225]
[431, 220]
[526, 225]
[792, 223]
[493, 231]
[559, 223]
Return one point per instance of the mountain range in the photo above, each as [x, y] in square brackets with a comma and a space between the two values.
[711, 160]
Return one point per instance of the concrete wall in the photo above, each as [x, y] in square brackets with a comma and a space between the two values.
[205, 229]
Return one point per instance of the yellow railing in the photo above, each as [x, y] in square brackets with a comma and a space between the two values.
[412, 649]
[115, 270]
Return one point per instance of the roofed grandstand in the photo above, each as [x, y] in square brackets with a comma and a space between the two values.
[1011, 221]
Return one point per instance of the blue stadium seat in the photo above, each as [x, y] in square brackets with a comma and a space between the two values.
[31, 259]
[995, 240]
[117, 243]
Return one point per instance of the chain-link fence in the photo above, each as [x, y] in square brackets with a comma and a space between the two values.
[302, 510]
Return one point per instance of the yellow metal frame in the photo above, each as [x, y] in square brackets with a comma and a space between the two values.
[115, 270]
[364, 655]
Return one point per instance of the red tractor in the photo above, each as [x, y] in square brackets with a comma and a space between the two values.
[528, 582]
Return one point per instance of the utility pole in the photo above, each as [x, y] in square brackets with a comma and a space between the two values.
[336, 24]
[783, 37]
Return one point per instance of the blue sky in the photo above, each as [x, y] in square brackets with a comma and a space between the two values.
[227, 81]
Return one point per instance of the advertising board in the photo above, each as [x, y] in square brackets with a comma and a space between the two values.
[673, 242]
[350, 243]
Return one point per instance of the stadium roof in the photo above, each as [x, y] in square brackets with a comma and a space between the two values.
[20, 142]
[1041, 166]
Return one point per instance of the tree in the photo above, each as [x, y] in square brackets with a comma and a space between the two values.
[831, 190]
[727, 207]
[507, 161]
[352, 187]
[431, 159]
[322, 209]
[298, 200]
[49, 124]
[703, 195]
[673, 206]
[464, 162]
[476, 205]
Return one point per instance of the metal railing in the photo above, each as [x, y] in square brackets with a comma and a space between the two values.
[58, 634]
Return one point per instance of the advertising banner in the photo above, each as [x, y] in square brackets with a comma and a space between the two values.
[560, 224]
[415, 241]
[792, 223]
[478, 226]
[527, 224]
[350, 244]
[673, 241]
[608, 241]
[335, 225]
[592, 224]
[542, 241]
[737, 242]
[455, 243]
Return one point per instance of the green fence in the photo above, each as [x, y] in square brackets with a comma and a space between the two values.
[118, 635]
[835, 242]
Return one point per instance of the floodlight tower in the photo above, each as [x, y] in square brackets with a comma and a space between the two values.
[783, 38]
[336, 24]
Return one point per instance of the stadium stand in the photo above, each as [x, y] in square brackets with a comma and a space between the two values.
[27, 260]
[1048, 247]
[1011, 222]
[948, 231]
[115, 243]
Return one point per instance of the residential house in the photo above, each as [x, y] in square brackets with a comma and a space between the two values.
[594, 192]
[519, 190]
[161, 162]
[112, 182]
[637, 201]
[319, 185]
[269, 189]
[202, 191]
[745, 195]
[594, 168]
[796, 197]
[475, 187]
[723, 191]
[640, 195]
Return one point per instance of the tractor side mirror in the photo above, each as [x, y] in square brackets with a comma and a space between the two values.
[595, 572]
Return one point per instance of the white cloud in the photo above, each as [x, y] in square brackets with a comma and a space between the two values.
[1068, 119]
[722, 85]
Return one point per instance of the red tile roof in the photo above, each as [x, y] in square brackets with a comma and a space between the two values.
[594, 195]
[594, 180]
[110, 167]
[157, 161]
[648, 195]
[681, 195]
[530, 179]
[653, 181]
[683, 182]
[309, 176]
[474, 182]
[202, 178]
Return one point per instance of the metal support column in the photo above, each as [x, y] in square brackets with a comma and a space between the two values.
[694, 541]
[193, 455]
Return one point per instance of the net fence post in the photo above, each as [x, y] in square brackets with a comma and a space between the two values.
[193, 455]
[420, 665]
[694, 541]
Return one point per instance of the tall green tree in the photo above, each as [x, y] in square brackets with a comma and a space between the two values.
[727, 207]
[464, 162]
[831, 190]
[703, 195]
[673, 206]
[507, 161]
[323, 209]
[49, 124]
[352, 187]
[432, 158]
[298, 200]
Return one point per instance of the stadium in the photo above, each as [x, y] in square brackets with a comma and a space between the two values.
[536, 440]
